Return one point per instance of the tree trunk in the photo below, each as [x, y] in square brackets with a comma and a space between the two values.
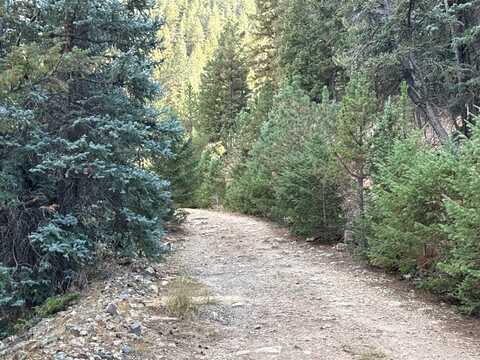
[419, 96]
[361, 194]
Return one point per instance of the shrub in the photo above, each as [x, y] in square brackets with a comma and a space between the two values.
[249, 190]
[211, 189]
[425, 214]
[407, 207]
[306, 195]
[288, 175]
[462, 263]
[56, 304]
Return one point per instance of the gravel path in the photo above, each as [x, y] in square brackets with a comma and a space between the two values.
[274, 298]
[285, 299]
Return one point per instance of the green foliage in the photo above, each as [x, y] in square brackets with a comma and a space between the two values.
[463, 210]
[250, 190]
[426, 43]
[179, 170]
[56, 304]
[211, 188]
[77, 137]
[190, 38]
[307, 197]
[407, 209]
[354, 126]
[289, 173]
[424, 217]
[264, 57]
[311, 29]
[224, 87]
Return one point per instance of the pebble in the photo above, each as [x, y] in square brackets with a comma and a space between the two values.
[112, 309]
[136, 328]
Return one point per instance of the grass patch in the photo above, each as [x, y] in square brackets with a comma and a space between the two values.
[373, 355]
[50, 307]
[56, 304]
[185, 295]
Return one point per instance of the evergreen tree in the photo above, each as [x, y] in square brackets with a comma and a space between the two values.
[190, 39]
[311, 30]
[289, 174]
[224, 86]
[264, 51]
[353, 132]
[430, 45]
[77, 134]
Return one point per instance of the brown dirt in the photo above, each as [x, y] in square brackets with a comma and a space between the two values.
[298, 301]
[275, 297]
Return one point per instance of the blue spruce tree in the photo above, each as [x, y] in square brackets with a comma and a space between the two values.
[77, 137]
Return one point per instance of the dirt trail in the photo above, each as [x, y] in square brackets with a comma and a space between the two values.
[294, 301]
[274, 299]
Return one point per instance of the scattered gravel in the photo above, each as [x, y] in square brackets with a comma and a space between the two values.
[272, 297]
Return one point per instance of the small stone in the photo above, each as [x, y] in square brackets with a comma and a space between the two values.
[166, 247]
[136, 328]
[126, 349]
[74, 330]
[238, 304]
[59, 356]
[112, 309]
[341, 247]
[154, 289]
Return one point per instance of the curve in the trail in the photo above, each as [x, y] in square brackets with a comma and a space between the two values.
[283, 299]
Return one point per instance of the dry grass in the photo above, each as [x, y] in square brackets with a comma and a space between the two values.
[373, 355]
[185, 295]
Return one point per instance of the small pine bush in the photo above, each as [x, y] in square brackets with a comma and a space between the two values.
[424, 217]
[407, 207]
[288, 175]
[211, 188]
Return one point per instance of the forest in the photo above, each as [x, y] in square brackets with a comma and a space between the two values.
[348, 122]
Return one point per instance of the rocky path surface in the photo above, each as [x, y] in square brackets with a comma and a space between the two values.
[272, 297]
[297, 302]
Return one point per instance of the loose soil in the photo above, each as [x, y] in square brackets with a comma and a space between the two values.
[270, 296]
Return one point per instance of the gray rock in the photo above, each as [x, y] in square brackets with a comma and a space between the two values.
[166, 247]
[112, 309]
[136, 328]
[59, 356]
[74, 330]
[126, 349]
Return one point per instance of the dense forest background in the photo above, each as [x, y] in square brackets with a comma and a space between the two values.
[348, 121]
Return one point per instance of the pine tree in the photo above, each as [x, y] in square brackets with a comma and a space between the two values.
[353, 133]
[224, 86]
[266, 35]
[77, 135]
[428, 44]
[311, 30]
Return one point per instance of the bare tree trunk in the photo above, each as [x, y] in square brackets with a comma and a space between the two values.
[419, 95]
